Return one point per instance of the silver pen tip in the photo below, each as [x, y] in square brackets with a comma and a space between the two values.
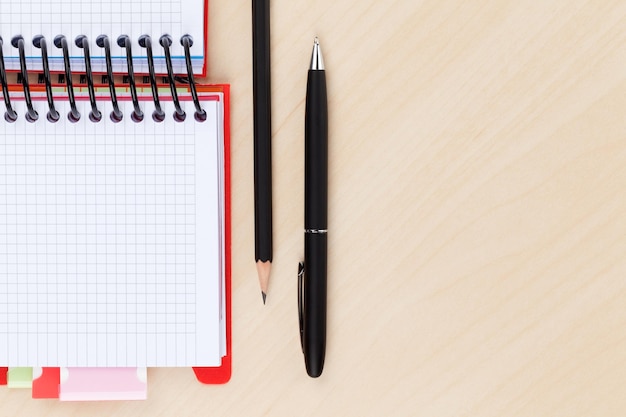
[317, 61]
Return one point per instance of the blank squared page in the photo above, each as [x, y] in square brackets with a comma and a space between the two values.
[110, 239]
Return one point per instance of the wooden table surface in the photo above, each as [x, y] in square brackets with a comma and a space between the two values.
[477, 209]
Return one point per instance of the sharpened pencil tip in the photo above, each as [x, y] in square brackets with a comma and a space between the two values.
[263, 268]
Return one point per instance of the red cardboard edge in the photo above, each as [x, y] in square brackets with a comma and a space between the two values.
[206, 38]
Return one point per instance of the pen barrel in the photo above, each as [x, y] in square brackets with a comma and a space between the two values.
[316, 152]
[314, 320]
[315, 222]
[262, 109]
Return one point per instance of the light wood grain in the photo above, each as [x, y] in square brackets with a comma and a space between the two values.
[477, 226]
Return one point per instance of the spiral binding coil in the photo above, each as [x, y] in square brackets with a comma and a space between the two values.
[95, 115]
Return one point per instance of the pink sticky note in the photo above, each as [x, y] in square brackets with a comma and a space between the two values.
[101, 384]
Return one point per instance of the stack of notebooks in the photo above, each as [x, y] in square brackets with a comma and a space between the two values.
[114, 198]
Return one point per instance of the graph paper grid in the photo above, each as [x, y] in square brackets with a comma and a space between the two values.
[110, 240]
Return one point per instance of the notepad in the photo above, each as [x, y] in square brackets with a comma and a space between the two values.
[112, 238]
[92, 18]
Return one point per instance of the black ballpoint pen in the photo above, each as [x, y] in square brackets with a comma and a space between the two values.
[312, 284]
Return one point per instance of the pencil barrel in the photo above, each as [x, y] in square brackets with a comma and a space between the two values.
[262, 109]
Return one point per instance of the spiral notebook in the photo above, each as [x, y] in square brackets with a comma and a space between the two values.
[114, 196]
[93, 18]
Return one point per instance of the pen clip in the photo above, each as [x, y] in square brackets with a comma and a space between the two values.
[301, 302]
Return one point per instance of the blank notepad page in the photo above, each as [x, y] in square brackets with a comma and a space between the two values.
[111, 239]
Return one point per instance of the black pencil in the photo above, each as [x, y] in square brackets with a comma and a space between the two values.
[261, 85]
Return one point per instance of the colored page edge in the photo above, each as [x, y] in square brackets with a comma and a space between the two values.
[46, 383]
